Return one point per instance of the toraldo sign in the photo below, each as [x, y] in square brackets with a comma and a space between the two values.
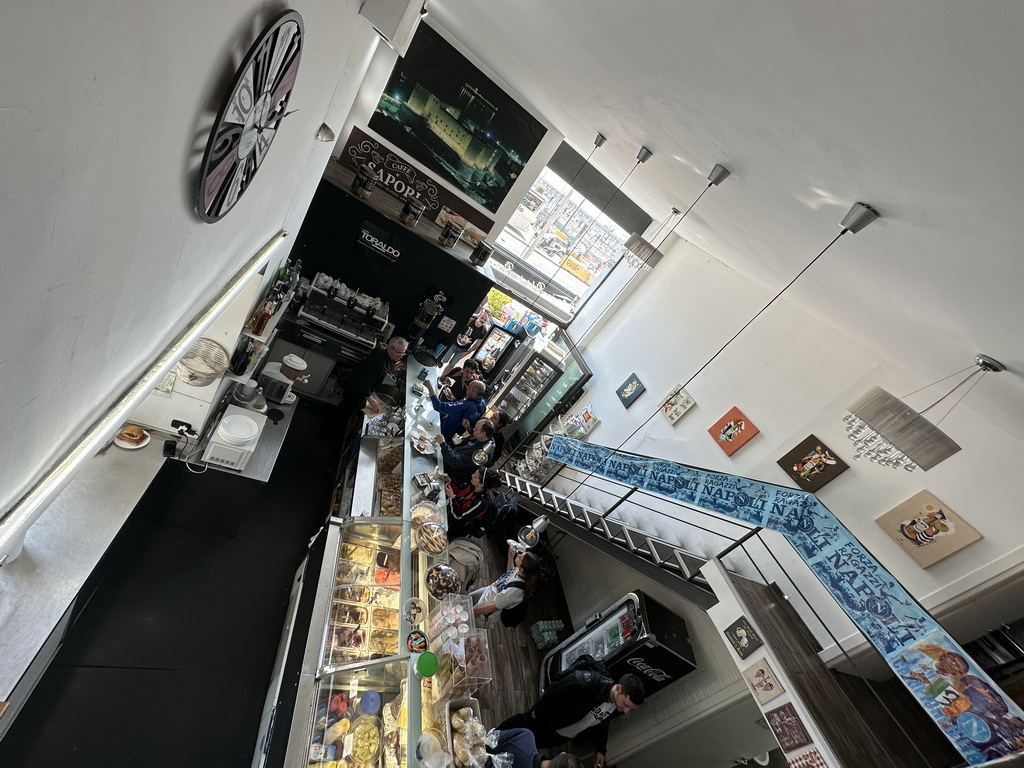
[401, 180]
[379, 241]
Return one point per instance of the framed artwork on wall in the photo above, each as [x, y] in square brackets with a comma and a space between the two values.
[742, 637]
[812, 464]
[676, 404]
[926, 529]
[630, 390]
[445, 113]
[762, 681]
[733, 431]
[788, 728]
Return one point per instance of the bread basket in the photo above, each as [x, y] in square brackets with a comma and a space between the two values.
[204, 362]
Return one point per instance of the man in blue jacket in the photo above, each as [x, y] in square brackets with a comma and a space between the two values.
[472, 408]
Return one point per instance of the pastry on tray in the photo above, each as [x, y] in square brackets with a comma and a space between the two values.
[356, 554]
[354, 594]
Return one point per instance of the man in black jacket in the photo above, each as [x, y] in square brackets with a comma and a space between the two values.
[576, 703]
[458, 459]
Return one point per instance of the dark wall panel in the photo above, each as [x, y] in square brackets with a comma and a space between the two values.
[327, 243]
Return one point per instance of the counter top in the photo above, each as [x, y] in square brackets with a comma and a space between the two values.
[63, 547]
[261, 465]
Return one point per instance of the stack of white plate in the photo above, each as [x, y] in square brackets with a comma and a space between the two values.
[237, 429]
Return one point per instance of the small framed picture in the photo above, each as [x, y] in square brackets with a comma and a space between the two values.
[743, 637]
[676, 404]
[762, 681]
[788, 728]
[733, 431]
[812, 464]
[630, 390]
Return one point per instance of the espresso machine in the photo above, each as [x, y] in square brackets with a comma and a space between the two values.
[277, 379]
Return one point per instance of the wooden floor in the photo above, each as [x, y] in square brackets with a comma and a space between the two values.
[515, 657]
[852, 716]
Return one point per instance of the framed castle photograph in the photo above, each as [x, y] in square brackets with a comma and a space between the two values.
[926, 529]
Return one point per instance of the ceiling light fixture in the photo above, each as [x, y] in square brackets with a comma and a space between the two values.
[890, 433]
[639, 251]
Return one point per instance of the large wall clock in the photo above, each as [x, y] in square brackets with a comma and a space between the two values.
[249, 119]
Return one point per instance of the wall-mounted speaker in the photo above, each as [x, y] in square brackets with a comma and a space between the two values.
[394, 20]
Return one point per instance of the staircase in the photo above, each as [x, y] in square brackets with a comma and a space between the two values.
[653, 558]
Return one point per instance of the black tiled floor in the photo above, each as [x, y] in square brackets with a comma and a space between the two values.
[170, 660]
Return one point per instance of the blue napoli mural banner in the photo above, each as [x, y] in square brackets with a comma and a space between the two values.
[974, 714]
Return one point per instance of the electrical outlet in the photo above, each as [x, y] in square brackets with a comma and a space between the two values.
[181, 426]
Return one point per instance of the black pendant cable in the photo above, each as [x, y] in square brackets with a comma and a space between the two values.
[718, 174]
[859, 216]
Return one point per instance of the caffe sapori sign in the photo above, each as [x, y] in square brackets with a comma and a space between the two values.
[980, 720]
[401, 180]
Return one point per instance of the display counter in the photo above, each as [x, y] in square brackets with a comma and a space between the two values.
[361, 700]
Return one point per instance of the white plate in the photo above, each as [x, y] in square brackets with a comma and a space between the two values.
[131, 446]
[238, 429]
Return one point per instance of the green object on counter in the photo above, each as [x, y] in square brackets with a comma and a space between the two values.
[426, 664]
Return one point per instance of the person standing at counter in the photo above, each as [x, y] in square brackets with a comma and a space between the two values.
[471, 408]
[468, 504]
[458, 459]
[363, 382]
[472, 338]
[463, 377]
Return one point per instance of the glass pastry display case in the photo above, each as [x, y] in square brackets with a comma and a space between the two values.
[359, 697]
[527, 384]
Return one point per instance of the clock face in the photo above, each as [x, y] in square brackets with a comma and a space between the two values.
[249, 119]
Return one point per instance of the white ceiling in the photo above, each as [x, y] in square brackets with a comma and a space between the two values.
[916, 108]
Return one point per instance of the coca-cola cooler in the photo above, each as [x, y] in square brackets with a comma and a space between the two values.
[637, 634]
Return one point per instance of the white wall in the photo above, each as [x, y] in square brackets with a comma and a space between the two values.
[105, 108]
[793, 376]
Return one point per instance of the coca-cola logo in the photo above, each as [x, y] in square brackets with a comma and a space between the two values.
[659, 675]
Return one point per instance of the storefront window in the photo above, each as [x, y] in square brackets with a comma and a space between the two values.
[559, 245]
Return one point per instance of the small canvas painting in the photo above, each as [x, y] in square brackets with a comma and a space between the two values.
[630, 390]
[812, 464]
[789, 730]
[733, 431]
[743, 637]
[926, 529]
[676, 404]
[763, 682]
